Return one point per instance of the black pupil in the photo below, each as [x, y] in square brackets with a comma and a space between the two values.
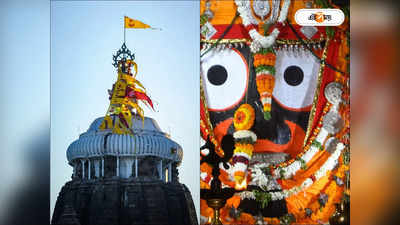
[293, 75]
[217, 75]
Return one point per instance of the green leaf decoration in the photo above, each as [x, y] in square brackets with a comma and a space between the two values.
[282, 173]
[262, 197]
[330, 32]
[346, 198]
[317, 144]
[266, 28]
[287, 219]
[265, 67]
[203, 19]
[303, 164]
[346, 157]
[346, 11]
[323, 3]
[267, 115]
[265, 51]
[266, 170]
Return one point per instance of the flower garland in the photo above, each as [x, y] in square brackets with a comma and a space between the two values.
[250, 23]
[289, 169]
[264, 57]
[264, 64]
[319, 136]
[286, 170]
[244, 139]
[261, 179]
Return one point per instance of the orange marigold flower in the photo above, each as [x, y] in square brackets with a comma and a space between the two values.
[244, 117]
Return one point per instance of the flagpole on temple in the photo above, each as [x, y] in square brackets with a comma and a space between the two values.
[124, 29]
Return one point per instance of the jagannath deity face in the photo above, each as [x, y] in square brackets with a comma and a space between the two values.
[266, 100]
[229, 80]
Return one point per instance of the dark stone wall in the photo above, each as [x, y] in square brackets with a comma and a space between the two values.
[114, 201]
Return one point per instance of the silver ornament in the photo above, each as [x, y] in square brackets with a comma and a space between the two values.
[207, 11]
[309, 4]
[275, 11]
[271, 158]
[330, 144]
[261, 8]
[332, 122]
[309, 31]
[333, 93]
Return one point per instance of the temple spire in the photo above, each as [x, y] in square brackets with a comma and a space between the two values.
[125, 94]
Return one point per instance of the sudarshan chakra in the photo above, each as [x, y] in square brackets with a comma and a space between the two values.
[125, 95]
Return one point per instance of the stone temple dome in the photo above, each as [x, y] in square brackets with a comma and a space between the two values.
[125, 168]
[98, 153]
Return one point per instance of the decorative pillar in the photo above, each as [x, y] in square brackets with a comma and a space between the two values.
[160, 170]
[88, 169]
[169, 172]
[118, 166]
[83, 169]
[129, 163]
[136, 167]
[175, 172]
[102, 166]
[164, 172]
[97, 168]
[74, 170]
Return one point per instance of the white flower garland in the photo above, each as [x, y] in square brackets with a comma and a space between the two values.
[292, 169]
[246, 195]
[265, 182]
[327, 166]
[240, 134]
[289, 171]
[260, 41]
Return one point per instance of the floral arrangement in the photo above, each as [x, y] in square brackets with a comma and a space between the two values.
[259, 178]
[260, 41]
[244, 139]
[264, 64]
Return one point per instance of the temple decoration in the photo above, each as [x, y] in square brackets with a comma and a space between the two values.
[281, 91]
[244, 139]
[125, 95]
[264, 64]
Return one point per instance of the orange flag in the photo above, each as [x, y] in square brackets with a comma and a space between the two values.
[131, 23]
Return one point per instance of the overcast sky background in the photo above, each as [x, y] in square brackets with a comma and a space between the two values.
[85, 35]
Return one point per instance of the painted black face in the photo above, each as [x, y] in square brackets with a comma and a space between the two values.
[229, 80]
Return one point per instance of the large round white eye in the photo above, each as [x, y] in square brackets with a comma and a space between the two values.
[225, 77]
[295, 79]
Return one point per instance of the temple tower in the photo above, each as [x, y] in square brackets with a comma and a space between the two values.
[124, 165]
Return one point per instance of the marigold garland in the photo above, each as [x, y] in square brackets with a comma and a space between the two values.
[244, 143]
[264, 64]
